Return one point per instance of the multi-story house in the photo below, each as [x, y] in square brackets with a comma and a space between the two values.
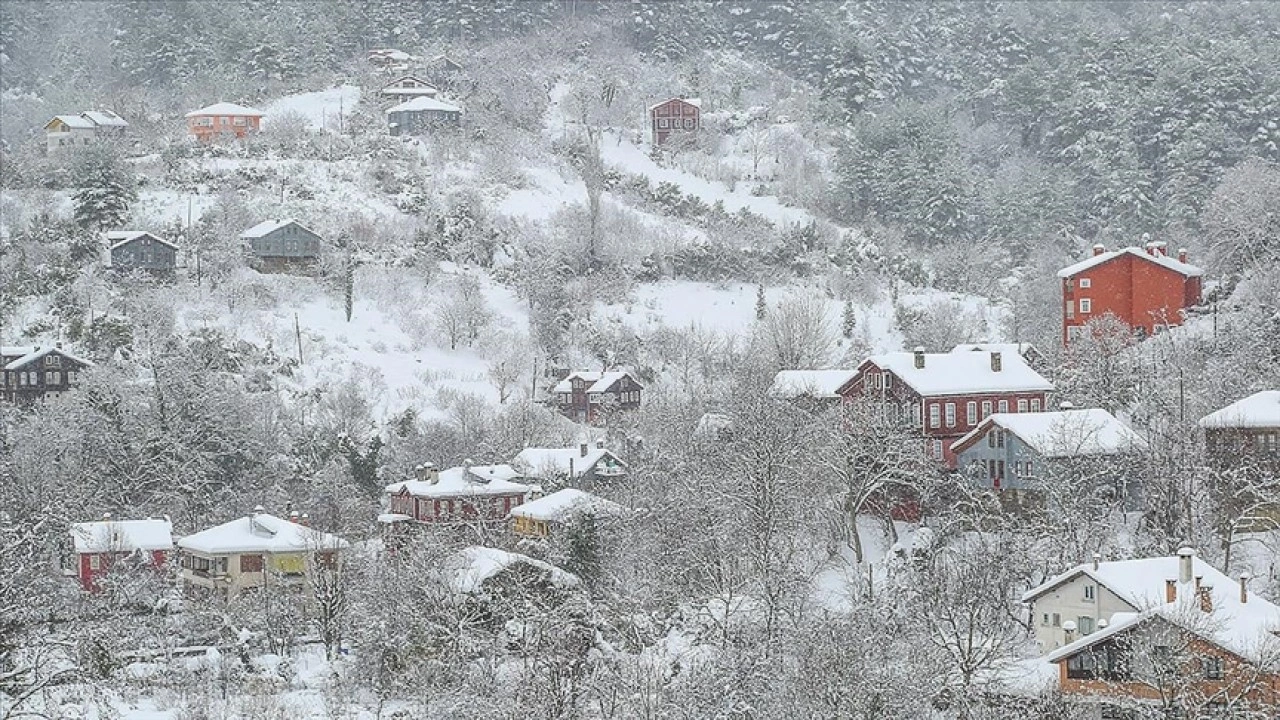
[583, 466]
[587, 397]
[1013, 451]
[674, 118]
[548, 515]
[65, 132]
[254, 551]
[223, 120]
[281, 245]
[944, 396]
[481, 494]
[407, 87]
[139, 250]
[98, 547]
[30, 372]
[1143, 288]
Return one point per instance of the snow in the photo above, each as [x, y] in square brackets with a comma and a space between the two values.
[225, 108]
[76, 121]
[266, 227]
[105, 118]
[472, 566]
[565, 505]
[962, 373]
[696, 102]
[1158, 258]
[1062, 433]
[1005, 348]
[119, 238]
[259, 532]
[122, 536]
[1260, 410]
[37, 353]
[423, 103]
[465, 482]
[320, 106]
[600, 381]
[811, 383]
[543, 463]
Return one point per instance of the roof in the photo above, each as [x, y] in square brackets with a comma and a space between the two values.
[1158, 258]
[74, 121]
[962, 373]
[466, 481]
[471, 567]
[260, 532]
[421, 104]
[122, 536]
[1062, 433]
[226, 108]
[266, 227]
[422, 87]
[105, 118]
[390, 54]
[118, 238]
[1259, 410]
[17, 350]
[566, 504]
[696, 102]
[600, 381]
[1007, 348]
[542, 462]
[39, 352]
[811, 383]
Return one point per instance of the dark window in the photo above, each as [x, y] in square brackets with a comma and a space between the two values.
[250, 563]
[1213, 669]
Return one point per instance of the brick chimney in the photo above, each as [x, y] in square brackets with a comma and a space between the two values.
[1099, 249]
[305, 520]
[293, 517]
[1204, 594]
[1162, 248]
[996, 361]
[1244, 588]
[1170, 591]
[1151, 249]
[1069, 631]
[919, 357]
[1182, 255]
[600, 444]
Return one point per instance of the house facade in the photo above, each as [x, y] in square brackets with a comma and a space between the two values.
[1142, 287]
[223, 120]
[549, 515]
[407, 87]
[255, 551]
[30, 372]
[482, 494]
[1248, 429]
[282, 245]
[65, 132]
[421, 116]
[588, 397]
[674, 118]
[138, 250]
[586, 465]
[99, 547]
[944, 396]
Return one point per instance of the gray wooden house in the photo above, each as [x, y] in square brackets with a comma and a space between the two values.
[139, 250]
[281, 245]
[422, 115]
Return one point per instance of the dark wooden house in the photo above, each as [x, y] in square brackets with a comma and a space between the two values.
[138, 250]
[422, 115]
[282, 245]
[27, 372]
[588, 397]
[677, 117]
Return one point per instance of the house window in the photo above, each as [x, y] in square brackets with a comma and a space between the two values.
[1004, 406]
[1089, 592]
[1085, 624]
[1030, 469]
[1022, 405]
[1086, 306]
[991, 438]
[689, 123]
[1000, 439]
[1213, 669]
[1084, 283]
[1044, 619]
[951, 414]
[999, 470]
[937, 449]
[239, 121]
[662, 123]
[888, 380]
[53, 377]
[971, 412]
[916, 418]
[250, 563]
[94, 562]
[935, 415]
[1035, 404]
[1071, 309]
[1057, 620]
[986, 409]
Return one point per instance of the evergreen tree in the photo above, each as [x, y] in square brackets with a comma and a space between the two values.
[107, 189]
[848, 320]
[761, 308]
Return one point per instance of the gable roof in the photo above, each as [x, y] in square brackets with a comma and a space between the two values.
[420, 104]
[1259, 410]
[961, 373]
[260, 532]
[78, 122]
[540, 463]
[39, 352]
[564, 505]
[466, 481]
[696, 102]
[122, 536]
[226, 108]
[1007, 348]
[1158, 258]
[1061, 433]
[810, 383]
[468, 569]
[104, 118]
[421, 87]
[119, 238]
[266, 227]
[600, 381]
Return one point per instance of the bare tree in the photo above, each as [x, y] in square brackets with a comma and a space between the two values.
[797, 334]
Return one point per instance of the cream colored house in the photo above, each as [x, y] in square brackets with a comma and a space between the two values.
[64, 132]
[255, 551]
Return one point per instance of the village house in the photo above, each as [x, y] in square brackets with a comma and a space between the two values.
[32, 371]
[390, 59]
[282, 245]
[944, 396]
[64, 132]
[583, 466]
[407, 86]
[100, 547]
[256, 551]
[1014, 451]
[587, 397]
[223, 119]
[1026, 351]
[1247, 431]
[674, 118]
[817, 387]
[422, 115]
[1144, 288]
[1158, 629]
[482, 494]
[549, 515]
[139, 250]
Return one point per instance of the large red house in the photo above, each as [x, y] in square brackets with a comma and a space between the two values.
[100, 546]
[677, 116]
[1144, 288]
[945, 395]
[471, 493]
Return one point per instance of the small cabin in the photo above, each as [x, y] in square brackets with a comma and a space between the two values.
[422, 115]
[138, 250]
[674, 118]
[281, 245]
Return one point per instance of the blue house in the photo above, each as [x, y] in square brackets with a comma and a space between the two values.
[278, 245]
[138, 250]
[421, 115]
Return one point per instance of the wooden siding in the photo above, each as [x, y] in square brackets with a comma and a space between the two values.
[52, 373]
[144, 253]
[420, 122]
[289, 241]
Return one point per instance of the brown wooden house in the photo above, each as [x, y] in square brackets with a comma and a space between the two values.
[587, 397]
[27, 372]
[674, 118]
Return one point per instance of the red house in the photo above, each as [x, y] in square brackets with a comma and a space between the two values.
[471, 493]
[677, 116]
[1145, 289]
[585, 396]
[223, 119]
[945, 395]
[100, 546]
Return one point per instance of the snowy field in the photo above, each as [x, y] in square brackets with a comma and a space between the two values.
[321, 108]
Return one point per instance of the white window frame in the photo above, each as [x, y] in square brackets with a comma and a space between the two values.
[1071, 309]
[1035, 404]
[950, 414]
[935, 415]
[1084, 283]
[971, 412]
[1003, 406]
[986, 409]
[1086, 306]
[1022, 405]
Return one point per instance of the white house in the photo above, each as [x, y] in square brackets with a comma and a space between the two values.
[581, 465]
[539, 518]
[66, 131]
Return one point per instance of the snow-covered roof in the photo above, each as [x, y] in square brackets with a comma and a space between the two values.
[124, 237]
[472, 566]
[542, 463]
[1158, 258]
[390, 54]
[78, 122]
[600, 381]
[266, 227]
[810, 383]
[566, 504]
[1062, 433]
[961, 373]
[39, 352]
[1006, 348]
[16, 350]
[696, 102]
[226, 108]
[105, 118]
[122, 536]
[1259, 410]
[260, 533]
[466, 481]
[419, 87]
[420, 104]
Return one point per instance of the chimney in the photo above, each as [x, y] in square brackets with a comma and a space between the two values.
[996, 362]
[1099, 249]
[1151, 248]
[1182, 255]
[58, 345]
[1244, 588]
[293, 517]
[919, 357]
[1185, 556]
[1066, 405]
[1069, 631]
[1204, 594]
[583, 447]
[1102, 623]
[1096, 559]
[1162, 248]
[1170, 591]
[600, 444]
[106, 517]
[258, 509]
[305, 521]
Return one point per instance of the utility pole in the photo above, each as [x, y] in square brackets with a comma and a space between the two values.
[297, 332]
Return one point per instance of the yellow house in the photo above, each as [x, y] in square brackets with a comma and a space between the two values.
[539, 518]
[257, 550]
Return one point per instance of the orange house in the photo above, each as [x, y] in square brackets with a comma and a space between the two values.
[223, 120]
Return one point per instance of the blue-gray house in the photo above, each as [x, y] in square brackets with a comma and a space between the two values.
[422, 115]
[278, 245]
[139, 250]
